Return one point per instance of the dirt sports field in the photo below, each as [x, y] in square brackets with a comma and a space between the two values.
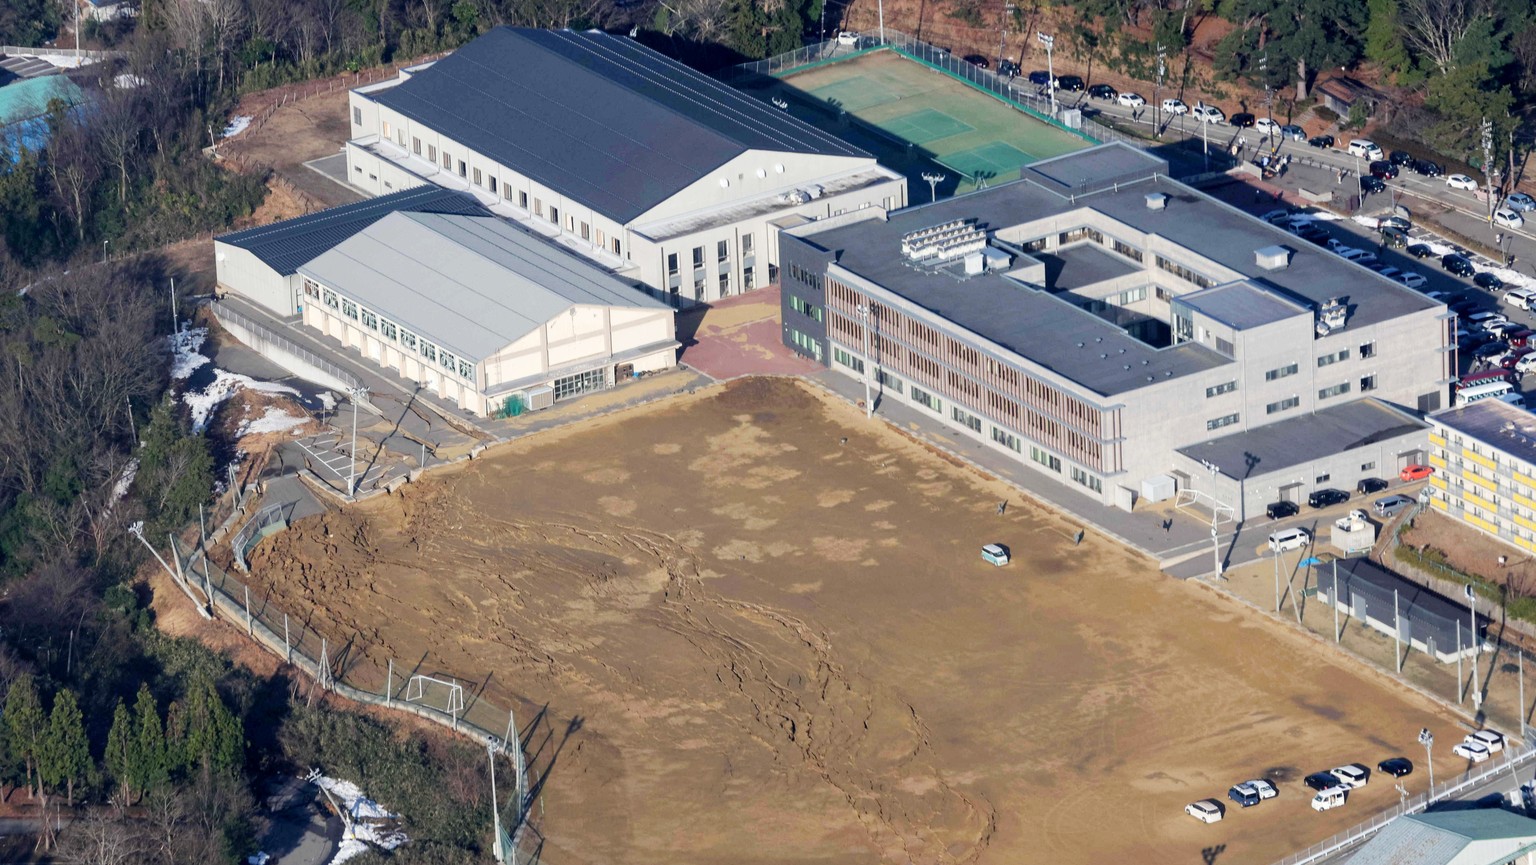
[773, 620]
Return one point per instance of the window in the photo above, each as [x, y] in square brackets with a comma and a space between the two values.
[463, 169]
[806, 343]
[725, 284]
[1127, 250]
[586, 231]
[854, 363]
[1282, 405]
[349, 309]
[1007, 439]
[723, 250]
[522, 199]
[1334, 391]
[746, 244]
[747, 283]
[538, 208]
[615, 246]
[965, 418]
[1367, 467]
[447, 161]
[386, 129]
[1219, 422]
[1087, 480]
[408, 339]
[432, 153]
[672, 264]
[428, 350]
[554, 214]
[1133, 295]
[1325, 360]
[698, 288]
[466, 369]
[387, 328]
[1075, 235]
[357, 117]
[601, 239]
[1323, 479]
[493, 186]
[888, 381]
[331, 300]
[1282, 372]
[447, 360]
[584, 382]
[1367, 349]
[924, 398]
[698, 257]
[416, 145]
[570, 222]
[1218, 390]
[1367, 383]
[1051, 462]
[804, 308]
[370, 320]
[310, 288]
[478, 178]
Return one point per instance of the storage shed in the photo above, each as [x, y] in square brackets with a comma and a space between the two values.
[1431, 623]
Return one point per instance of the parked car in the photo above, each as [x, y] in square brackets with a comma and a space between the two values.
[1473, 751]
[1425, 168]
[1263, 125]
[1130, 100]
[1520, 202]
[1460, 181]
[1008, 69]
[1487, 280]
[848, 37]
[1321, 781]
[1372, 184]
[1244, 795]
[1208, 114]
[1507, 217]
[1039, 78]
[1365, 149]
[1282, 509]
[1383, 169]
[1352, 776]
[1292, 132]
[1411, 279]
[1489, 739]
[977, 60]
[1289, 539]
[1327, 800]
[1103, 91]
[1521, 298]
[1400, 157]
[1321, 141]
[1390, 505]
[1206, 810]
[1368, 486]
[1457, 264]
[1419, 250]
[1397, 767]
[1415, 473]
[1071, 83]
[1526, 363]
[1326, 498]
[1175, 106]
[1398, 222]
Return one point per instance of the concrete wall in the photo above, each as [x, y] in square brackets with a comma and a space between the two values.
[240, 271]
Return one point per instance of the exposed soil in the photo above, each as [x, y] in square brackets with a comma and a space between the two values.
[1473, 552]
[773, 621]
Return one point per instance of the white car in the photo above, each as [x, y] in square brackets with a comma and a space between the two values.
[1210, 114]
[1206, 810]
[1365, 149]
[1492, 322]
[1130, 100]
[1351, 254]
[1526, 364]
[1351, 776]
[1508, 218]
[1411, 279]
[848, 37]
[1327, 800]
[1494, 742]
[1174, 106]
[1266, 127]
[1472, 751]
[1265, 789]
[1460, 181]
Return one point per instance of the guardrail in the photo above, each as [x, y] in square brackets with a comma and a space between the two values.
[22, 51]
[224, 312]
[1350, 837]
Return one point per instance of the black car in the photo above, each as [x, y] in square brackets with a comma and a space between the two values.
[1241, 120]
[1072, 83]
[1398, 222]
[1384, 169]
[1367, 486]
[1326, 498]
[1102, 91]
[1420, 250]
[1322, 780]
[1314, 234]
[1321, 141]
[1488, 280]
[1008, 69]
[1281, 509]
[1491, 350]
[1372, 184]
[1040, 78]
[977, 60]
[1400, 157]
[1397, 767]
[1457, 264]
[1427, 168]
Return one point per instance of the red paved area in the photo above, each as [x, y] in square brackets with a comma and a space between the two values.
[741, 336]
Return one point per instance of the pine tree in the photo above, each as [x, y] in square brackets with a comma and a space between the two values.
[66, 756]
[149, 745]
[177, 756]
[25, 722]
[215, 736]
[120, 756]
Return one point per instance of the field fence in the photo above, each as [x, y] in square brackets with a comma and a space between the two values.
[365, 674]
[1513, 758]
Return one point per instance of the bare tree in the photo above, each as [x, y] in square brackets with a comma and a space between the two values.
[102, 837]
[119, 124]
[74, 167]
[1434, 27]
[226, 18]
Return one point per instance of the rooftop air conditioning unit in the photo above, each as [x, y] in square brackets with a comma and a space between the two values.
[1157, 201]
[1272, 258]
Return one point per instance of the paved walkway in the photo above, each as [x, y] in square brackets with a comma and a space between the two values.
[740, 336]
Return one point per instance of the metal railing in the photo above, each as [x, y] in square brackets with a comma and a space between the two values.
[224, 312]
[256, 528]
[1348, 838]
[23, 51]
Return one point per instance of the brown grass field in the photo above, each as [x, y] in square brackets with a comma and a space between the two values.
[773, 620]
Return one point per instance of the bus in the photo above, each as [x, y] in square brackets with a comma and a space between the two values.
[1497, 390]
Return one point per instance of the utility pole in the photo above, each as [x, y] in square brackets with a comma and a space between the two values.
[132, 427]
[1397, 633]
[1215, 519]
[1337, 636]
[1477, 694]
[1050, 69]
[1269, 92]
[496, 849]
[1157, 89]
[1521, 653]
[869, 404]
[1461, 681]
[1488, 165]
[173, 306]
[1277, 580]
[358, 393]
[882, 20]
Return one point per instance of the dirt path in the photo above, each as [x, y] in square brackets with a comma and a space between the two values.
[774, 624]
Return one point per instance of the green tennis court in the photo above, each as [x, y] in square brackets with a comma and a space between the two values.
[921, 127]
[919, 119]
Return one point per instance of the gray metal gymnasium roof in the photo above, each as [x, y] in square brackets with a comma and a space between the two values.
[1072, 342]
[1303, 438]
[597, 117]
[472, 284]
[1474, 836]
[283, 246]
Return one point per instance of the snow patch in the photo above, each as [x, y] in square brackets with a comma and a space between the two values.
[224, 385]
[125, 480]
[369, 822]
[275, 420]
[184, 357]
[236, 126]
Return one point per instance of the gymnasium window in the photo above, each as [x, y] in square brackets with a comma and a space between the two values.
[370, 320]
[349, 309]
[331, 300]
[408, 339]
[576, 385]
[428, 350]
[310, 288]
[387, 328]
[466, 369]
[448, 361]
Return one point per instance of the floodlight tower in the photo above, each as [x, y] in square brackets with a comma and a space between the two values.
[934, 179]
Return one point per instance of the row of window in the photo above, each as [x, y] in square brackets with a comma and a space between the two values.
[805, 308]
[1325, 360]
[1336, 390]
[806, 277]
[805, 342]
[1219, 422]
[1087, 480]
[1283, 405]
[390, 332]
[1183, 272]
[965, 418]
[854, 363]
[1287, 370]
[1219, 389]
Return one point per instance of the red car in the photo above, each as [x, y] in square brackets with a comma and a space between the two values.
[1415, 473]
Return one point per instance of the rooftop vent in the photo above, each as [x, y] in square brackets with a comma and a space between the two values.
[945, 241]
[1156, 201]
[1272, 258]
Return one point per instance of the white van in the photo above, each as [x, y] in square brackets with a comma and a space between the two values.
[1289, 539]
[1331, 798]
[1494, 389]
[1521, 298]
[1365, 149]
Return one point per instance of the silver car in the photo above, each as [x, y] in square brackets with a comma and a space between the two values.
[1386, 507]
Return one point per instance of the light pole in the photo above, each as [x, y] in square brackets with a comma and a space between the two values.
[882, 20]
[1488, 165]
[104, 251]
[1050, 69]
[358, 394]
[1277, 580]
[1477, 695]
[1215, 516]
[869, 405]
[933, 185]
[1427, 739]
[1157, 89]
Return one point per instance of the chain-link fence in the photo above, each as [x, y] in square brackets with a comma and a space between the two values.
[364, 673]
